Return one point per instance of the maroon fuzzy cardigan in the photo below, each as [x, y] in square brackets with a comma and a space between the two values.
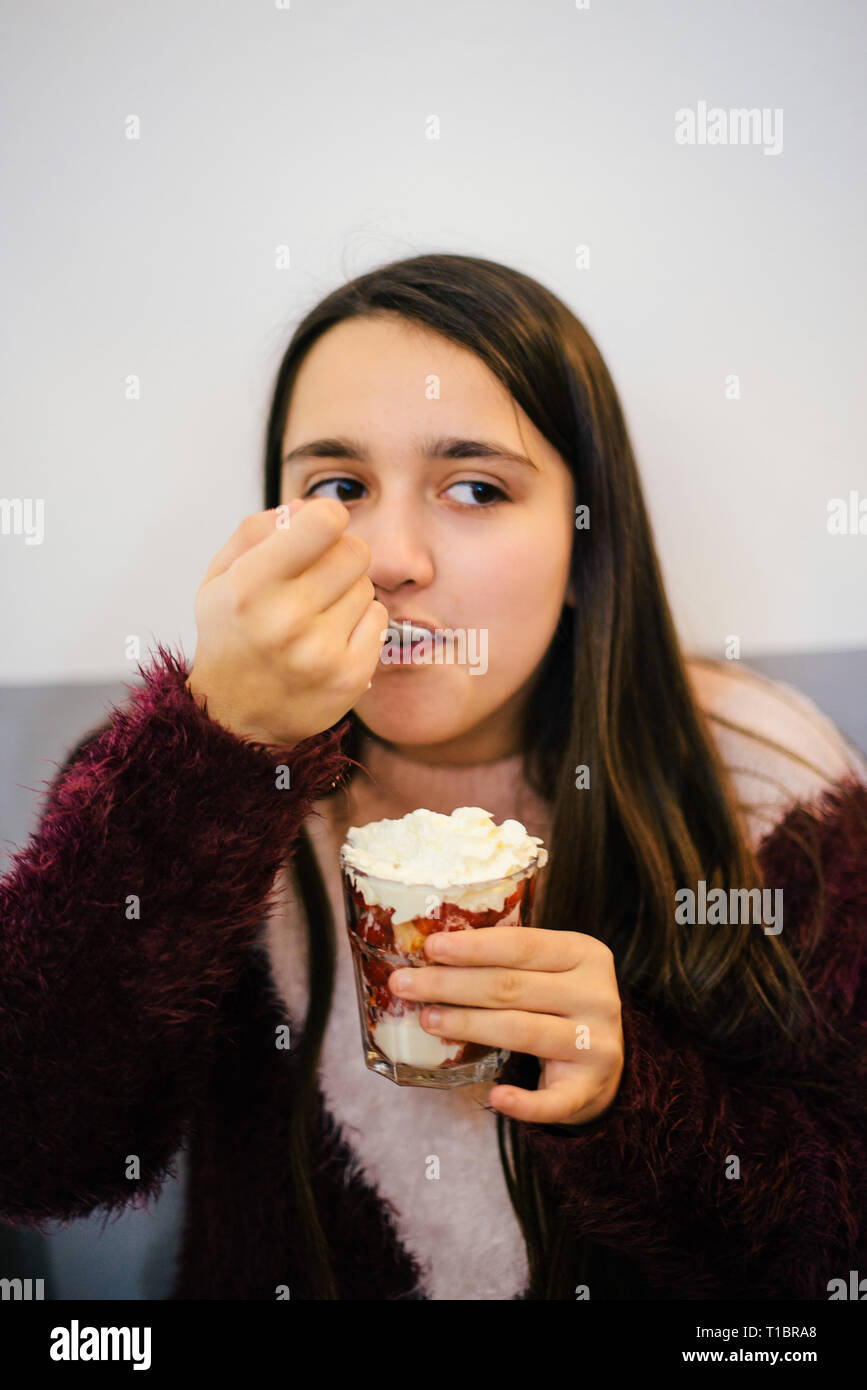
[132, 1035]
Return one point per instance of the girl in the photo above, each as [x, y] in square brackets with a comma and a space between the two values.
[446, 446]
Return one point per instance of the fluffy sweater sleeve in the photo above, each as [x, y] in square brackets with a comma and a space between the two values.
[655, 1179]
[123, 922]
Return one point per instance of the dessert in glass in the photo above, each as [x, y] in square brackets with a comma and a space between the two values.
[404, 879]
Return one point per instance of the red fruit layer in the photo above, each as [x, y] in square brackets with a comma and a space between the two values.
[380, 1002]
[373, 923]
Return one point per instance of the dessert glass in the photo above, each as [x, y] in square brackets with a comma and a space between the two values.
[395, 1044]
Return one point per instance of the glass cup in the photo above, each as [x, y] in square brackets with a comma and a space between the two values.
[395, 1044]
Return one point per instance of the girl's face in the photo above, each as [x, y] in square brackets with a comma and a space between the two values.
[407, 429]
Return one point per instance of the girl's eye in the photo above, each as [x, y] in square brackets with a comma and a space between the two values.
[482, 503]
[341, 482]
[491, 487]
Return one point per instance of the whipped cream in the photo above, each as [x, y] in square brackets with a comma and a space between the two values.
[404, 1040]
[424, 859]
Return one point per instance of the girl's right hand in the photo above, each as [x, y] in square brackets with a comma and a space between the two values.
[289, 627]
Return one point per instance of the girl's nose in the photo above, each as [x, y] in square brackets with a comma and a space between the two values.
[400, 550]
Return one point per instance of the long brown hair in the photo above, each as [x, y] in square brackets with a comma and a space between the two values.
[612, 694]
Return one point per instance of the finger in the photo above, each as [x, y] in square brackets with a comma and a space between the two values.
[560, 1103]
[526, 948]
[250, 532]
[356, 619]
[371, 628]
[285, 552]
[490, 987]
[547, 1036]
[329, 578]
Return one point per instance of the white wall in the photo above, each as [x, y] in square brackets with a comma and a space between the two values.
[305, 126]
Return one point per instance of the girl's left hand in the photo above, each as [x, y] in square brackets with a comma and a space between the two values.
[552, 994]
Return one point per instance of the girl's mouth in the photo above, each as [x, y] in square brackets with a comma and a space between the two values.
[403, 640]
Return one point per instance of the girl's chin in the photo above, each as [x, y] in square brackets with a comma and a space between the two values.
[397, 721]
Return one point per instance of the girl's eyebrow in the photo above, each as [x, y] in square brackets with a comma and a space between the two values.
[451, 447]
